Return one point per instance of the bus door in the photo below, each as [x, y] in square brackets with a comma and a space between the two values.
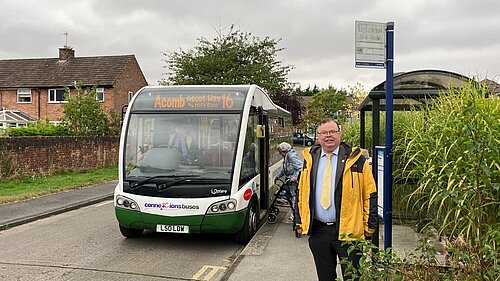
[264, 160]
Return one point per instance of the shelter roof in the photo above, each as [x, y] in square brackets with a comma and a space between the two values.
[412, 88]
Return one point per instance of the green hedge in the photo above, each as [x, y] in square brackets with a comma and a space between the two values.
[38, 129]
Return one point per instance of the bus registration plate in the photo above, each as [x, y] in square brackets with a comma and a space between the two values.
[172, 228]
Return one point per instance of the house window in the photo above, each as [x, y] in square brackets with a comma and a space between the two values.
[56, 95]
[24, 96]
[281, 122]
[99, 94]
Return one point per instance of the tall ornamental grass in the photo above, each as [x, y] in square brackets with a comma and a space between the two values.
[454, 151]
[403, 185]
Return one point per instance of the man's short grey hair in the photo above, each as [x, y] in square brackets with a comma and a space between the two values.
[328, 120]
[284, 146]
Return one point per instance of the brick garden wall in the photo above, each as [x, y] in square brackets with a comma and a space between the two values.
[34, 156]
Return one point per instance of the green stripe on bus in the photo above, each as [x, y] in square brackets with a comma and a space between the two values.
[213, 223]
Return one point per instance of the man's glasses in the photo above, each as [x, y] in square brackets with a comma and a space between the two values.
[328, 133]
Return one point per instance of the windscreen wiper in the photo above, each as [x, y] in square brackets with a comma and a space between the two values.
[151, 169]
[136, 184]
[166, 185]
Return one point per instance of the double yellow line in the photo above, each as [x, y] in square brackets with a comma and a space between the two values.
[207, 272]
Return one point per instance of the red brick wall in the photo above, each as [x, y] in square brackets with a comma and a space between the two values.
[29, 156]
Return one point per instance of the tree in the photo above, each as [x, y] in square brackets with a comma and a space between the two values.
[309, 92]
[83, 114]
[355, 96]
[290, 100]
[233, 58]
[311, 118]
[328, 103]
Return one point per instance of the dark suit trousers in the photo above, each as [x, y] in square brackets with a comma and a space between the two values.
[325, 247]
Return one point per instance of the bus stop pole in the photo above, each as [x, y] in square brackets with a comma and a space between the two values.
[388, 135]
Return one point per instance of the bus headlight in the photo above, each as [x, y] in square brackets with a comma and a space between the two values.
[119, 201]
[231, 206]
[126, 203]
[222, 207]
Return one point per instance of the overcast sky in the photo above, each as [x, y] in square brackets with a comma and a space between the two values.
[318, 35]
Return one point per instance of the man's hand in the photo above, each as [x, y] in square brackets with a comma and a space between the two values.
[368, 236]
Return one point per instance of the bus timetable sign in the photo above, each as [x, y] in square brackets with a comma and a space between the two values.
[370, 44]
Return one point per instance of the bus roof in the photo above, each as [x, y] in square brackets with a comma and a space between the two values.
[200, 97]
[239, 88]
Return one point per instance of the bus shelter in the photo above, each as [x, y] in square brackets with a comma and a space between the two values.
[411, 89]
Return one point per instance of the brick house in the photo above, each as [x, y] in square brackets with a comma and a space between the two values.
[36, 86]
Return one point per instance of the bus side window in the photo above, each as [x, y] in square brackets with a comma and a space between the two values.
[250, 161]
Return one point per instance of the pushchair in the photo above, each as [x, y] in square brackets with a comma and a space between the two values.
[273, 211]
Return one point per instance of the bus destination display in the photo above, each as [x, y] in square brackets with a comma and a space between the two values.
[190, 101]
[209, 101]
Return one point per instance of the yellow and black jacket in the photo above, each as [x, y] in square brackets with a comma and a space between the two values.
[355, 192]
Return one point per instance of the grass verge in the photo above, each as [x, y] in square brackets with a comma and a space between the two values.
[26, 188]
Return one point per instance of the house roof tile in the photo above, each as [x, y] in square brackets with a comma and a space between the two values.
[52, 72]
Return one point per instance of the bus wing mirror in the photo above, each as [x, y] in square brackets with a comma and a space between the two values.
[261, 132]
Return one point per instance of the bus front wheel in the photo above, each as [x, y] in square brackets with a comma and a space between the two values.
[250, 226]
[131, 232]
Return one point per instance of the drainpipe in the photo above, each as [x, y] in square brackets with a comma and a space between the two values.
[39, 108]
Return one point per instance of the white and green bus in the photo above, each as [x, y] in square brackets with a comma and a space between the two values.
[199, 159]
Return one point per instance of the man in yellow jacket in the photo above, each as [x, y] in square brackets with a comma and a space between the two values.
[337, 200]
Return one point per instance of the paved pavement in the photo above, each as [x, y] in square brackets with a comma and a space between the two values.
[274, 252]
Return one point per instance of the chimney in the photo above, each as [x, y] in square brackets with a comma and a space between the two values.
[66, 53]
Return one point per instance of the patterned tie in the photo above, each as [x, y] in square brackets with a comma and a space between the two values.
[326, 185]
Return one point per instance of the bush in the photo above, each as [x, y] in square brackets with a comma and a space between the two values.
[83, 115]
[115, 123]
[41, 128]
[381, 265]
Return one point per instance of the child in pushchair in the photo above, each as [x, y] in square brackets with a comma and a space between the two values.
[289, 191]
